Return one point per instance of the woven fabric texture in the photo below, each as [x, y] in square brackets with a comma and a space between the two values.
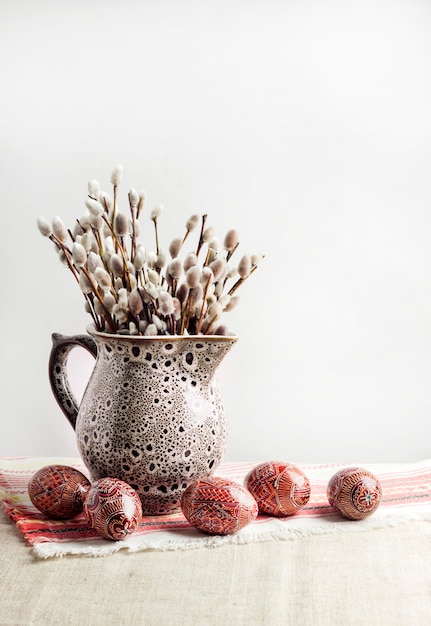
[406, 497]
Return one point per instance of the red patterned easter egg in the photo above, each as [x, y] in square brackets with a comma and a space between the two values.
[354, 492]
[279, 489]
[58, 491]
[218, 506]
[113, 508]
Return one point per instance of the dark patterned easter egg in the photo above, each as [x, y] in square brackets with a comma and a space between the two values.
[113, 508]
[279, 489]
[58, 491]
[354, 492]
[218, 506]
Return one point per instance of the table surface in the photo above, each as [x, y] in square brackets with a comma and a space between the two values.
[374, 577]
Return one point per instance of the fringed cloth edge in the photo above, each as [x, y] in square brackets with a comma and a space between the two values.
[406, 497]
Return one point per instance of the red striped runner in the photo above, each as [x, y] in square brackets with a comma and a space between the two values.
[406, 496]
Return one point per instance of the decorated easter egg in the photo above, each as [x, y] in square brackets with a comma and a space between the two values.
[58, 491]
[218, 506]
[354, 492]
[112, 508]
[279, 489]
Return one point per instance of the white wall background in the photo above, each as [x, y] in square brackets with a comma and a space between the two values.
[304, 124]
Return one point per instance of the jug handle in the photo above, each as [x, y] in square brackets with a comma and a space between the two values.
[61, 348]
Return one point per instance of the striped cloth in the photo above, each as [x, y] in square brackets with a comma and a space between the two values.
[406, 496]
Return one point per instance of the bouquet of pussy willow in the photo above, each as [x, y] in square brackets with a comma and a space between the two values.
[129, 289]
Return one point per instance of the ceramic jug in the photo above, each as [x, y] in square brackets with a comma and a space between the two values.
[151, 414]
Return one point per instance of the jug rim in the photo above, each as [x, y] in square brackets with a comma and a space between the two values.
[91, 330]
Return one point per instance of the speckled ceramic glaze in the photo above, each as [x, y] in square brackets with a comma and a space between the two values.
[151, 415]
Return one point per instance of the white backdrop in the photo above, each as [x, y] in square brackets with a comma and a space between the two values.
[304, 124]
